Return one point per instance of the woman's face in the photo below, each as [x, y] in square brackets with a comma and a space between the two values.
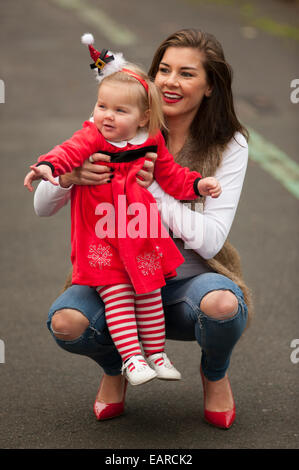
[182, 80]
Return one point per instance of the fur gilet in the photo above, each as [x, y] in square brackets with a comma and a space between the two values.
[227, 262]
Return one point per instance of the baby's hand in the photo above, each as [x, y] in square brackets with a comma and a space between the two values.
[209, 187]
[37, 173]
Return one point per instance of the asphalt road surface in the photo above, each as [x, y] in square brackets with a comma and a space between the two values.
[46, 394]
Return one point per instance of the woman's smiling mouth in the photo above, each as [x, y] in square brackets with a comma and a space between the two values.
[169, 97]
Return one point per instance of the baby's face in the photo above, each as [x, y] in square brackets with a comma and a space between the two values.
[116, 115]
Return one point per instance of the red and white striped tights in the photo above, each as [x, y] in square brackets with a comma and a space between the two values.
[129, 314]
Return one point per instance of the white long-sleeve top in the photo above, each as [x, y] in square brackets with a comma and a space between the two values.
[202, 232]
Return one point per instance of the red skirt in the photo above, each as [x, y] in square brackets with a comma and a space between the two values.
[117, 234]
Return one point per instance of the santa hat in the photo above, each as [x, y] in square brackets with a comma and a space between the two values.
[104, 62]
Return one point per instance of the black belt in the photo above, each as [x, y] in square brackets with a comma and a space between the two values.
[129, 155]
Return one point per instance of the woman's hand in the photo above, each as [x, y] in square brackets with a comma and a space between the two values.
[209, 187]
[90, 174]
[145, 177]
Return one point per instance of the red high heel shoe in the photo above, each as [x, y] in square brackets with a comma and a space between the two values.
[220, 419]
[109, 410]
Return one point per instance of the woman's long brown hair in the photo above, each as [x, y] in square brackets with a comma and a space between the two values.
[215, 123]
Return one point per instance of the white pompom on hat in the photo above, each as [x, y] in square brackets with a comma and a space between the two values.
[104, 62]
[87, 38]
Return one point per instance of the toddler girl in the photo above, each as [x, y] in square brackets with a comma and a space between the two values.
[126, 266]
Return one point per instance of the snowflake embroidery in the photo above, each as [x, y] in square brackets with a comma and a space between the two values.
[148, 263]
[99, 255]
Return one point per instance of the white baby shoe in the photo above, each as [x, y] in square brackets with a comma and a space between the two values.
[164, 368]
[137, 370]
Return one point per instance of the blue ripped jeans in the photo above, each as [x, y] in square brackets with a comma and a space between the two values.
[184, 321]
